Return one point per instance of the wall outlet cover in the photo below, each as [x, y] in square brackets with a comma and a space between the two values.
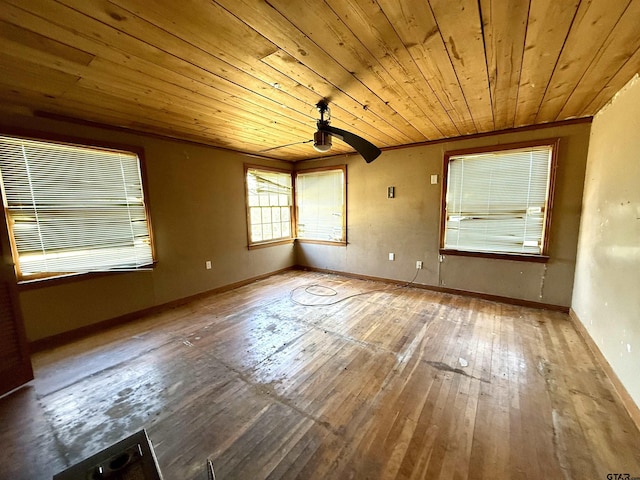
[391, 192]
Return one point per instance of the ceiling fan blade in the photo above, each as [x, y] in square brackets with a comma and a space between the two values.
[365, 148]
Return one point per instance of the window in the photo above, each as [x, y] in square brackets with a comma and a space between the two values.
[498, 200]
[269, 200]
[73, 209]
[320, 203]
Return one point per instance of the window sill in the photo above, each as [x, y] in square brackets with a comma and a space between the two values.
[322, 242]
[273, 243]
[500, 256]
[296, 240]
[42, 282]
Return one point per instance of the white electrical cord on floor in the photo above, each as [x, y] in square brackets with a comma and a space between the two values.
[332, 292]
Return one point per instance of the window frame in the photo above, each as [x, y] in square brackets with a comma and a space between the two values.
[81, 142]
[342, 168]
[543, 256]
[280, 241]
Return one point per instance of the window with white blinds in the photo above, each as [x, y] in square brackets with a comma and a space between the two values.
[73, 209]
[320, 202]
[499, 201]
[269, 200]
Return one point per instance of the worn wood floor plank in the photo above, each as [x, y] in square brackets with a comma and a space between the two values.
[399, 383]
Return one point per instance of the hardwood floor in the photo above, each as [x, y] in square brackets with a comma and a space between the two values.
[401, 383]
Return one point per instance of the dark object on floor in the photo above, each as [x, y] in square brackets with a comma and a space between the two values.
[130, 459]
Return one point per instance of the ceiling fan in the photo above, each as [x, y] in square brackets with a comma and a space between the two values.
[322, 137]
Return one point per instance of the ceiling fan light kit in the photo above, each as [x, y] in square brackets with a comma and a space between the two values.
[322, 141]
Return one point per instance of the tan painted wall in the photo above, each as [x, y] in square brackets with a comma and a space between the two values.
[196, 197]
[408, 225]
[606, 297]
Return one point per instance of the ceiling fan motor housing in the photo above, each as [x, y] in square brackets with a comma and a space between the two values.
[322, 141]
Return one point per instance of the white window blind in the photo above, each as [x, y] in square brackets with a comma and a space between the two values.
[498, 201]
[269, 198]
[73, 209]
[320, 198]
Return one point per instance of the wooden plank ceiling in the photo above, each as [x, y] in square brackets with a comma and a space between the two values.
[246, 74]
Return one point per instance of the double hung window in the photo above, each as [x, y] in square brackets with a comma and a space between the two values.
[498, 200]
[269, 204]
[319, 201]
[73, 208]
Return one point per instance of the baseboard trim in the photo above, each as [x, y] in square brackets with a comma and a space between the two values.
[629, 405]
[453, 291]
[78, 333]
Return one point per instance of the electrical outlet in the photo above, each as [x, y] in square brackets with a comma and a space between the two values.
[207, 264]
[391, 192]
[419, 264]
[392, 256]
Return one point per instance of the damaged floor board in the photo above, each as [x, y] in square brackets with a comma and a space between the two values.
[401, 383]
